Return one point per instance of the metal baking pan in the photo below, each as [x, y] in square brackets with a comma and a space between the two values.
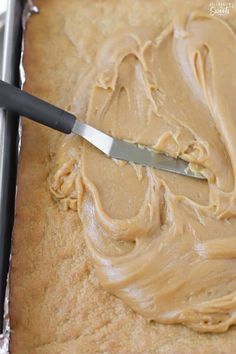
[8, 141]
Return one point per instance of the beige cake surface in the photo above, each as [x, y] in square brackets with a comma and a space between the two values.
[57, 302]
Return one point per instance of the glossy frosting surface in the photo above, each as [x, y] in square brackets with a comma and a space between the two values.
[163, 243]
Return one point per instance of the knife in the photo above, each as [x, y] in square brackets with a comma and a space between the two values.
[18, 101]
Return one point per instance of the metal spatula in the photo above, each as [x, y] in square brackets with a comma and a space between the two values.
[42, 112]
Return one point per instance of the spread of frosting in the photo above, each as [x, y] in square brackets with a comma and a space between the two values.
[163, 243]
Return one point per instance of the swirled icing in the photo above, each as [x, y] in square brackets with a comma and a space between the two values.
[163, 243]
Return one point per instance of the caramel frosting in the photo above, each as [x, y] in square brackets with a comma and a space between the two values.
[163, 243]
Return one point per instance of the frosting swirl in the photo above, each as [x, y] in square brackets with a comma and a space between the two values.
[163, 243]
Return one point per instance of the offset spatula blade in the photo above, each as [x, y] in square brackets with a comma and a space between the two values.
[122, 150]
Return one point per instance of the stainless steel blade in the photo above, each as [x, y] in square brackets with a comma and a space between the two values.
[122, 150]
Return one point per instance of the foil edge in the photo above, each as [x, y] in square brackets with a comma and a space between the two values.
[29, 9]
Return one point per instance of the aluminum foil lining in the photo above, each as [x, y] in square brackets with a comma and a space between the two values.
[29, 9]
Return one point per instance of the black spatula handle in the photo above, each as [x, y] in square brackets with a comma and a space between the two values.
[13, 99]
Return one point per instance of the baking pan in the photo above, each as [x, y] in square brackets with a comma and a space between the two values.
[8, 141]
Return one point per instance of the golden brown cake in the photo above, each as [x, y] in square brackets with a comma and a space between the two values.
[109, 257]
